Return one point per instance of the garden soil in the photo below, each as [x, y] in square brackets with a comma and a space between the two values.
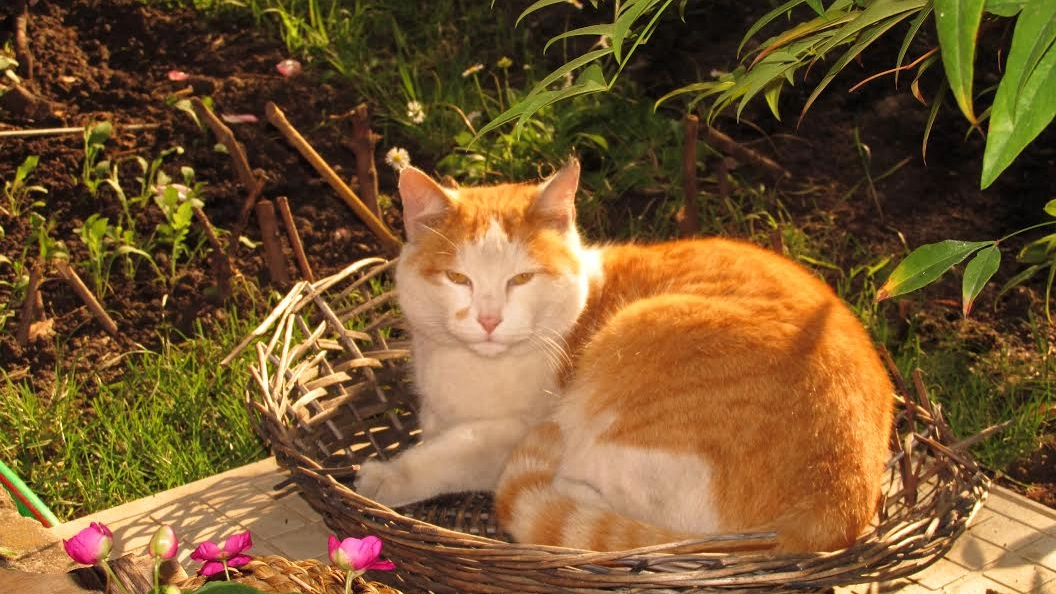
[95, 61]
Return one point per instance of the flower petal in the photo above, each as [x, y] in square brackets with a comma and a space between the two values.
[178, 75]
[237, 543]
[288, 67]
[382, 566]
[239, 560]
[206, 551]
[239, 118]
[332, 545]
[210, 568]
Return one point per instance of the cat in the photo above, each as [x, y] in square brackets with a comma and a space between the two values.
[620, 396]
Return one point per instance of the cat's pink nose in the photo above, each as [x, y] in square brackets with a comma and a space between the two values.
[489, 322]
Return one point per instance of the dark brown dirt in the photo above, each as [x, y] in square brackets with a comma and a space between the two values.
[109, 61]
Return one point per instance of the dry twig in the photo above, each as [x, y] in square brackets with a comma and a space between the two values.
[269, 234]
[363, 142]
[29, 306]
[23, 54]
[295, 238]
[688, 216]
[390, 243]
[74, 281]
[738, 151]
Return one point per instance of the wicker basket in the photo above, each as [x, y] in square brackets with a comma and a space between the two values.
[331, 389]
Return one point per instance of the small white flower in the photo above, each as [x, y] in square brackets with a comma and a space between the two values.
[472, 70]
[398, 158]
[415, 112]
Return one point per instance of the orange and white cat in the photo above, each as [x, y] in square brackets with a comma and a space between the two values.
[625, 395]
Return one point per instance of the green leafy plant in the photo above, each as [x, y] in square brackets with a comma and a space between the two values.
[106, 243]
[18, 192]
[1024, 103]
[94, 170]
[177, 203]
[927, 263]
[48, 248]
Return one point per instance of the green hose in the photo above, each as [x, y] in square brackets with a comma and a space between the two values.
[27, 502]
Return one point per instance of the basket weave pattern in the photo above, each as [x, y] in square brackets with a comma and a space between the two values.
[331, 389]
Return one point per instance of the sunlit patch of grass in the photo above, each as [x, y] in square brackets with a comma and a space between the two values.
[982, 379]
[169, 418]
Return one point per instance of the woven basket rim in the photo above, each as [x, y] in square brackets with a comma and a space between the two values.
[299, 401]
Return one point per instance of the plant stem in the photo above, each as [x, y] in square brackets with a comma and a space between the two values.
[1025, 229]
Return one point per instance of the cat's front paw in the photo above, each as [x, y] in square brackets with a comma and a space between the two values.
[384, 482]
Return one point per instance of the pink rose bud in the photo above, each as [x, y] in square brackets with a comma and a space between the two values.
[91, 545]
[358, 555]
[163, 544]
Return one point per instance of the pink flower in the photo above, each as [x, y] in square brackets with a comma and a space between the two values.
[91, 545]
[358, 555]
[288, 67]
[178, 75]
[216, 559]
[163, 544]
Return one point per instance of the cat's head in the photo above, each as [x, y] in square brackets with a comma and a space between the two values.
[496, 269]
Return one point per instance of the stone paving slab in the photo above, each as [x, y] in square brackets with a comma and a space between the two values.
[1009, 549]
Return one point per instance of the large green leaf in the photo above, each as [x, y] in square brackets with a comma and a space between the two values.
[1005, 8]
[957, 22]
[1025, 102]
[977, 273]
[926, 264]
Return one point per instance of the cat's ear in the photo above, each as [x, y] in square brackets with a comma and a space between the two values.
[556, 204]
[424, 201]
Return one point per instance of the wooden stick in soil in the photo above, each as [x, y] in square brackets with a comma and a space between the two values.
[364, 141]
[29, 306]
[688, 217]
[269, 234]
[70, 276]
[249, 180]
[738, 151]
[389, 242]
[22, 51]
[221, 260]
[295, 238]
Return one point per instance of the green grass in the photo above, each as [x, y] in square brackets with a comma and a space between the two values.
[172, 417]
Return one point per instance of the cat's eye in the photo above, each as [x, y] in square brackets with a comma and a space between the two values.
[457, 277]
[520, 279]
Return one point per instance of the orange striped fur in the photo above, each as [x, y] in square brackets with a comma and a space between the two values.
[627, 395]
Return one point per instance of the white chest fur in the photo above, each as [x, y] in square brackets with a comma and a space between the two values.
[458, 386]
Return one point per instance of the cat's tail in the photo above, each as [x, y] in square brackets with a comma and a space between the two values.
[532, 510]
